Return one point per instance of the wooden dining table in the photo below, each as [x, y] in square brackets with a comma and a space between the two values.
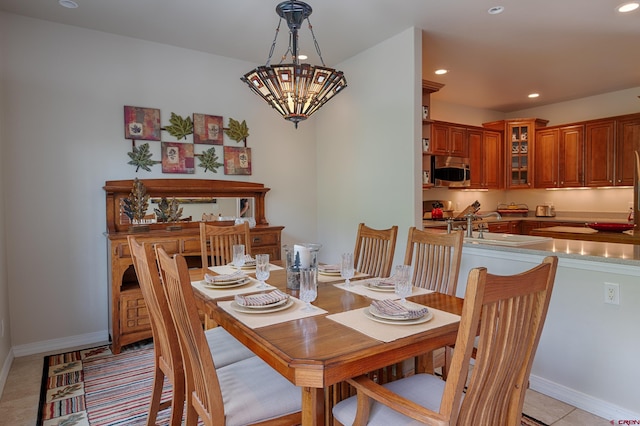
[316, 352]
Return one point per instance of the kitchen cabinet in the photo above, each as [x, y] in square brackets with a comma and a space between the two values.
[559, 157]
[505, 227]
[485, 158]
[449, 139]
[609, 145]
[519, 142]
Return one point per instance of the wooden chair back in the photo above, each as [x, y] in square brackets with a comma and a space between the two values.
[204, 399]
[216, 242]
[373, 254]
[168, 360]
[435, 259]
[507, 313]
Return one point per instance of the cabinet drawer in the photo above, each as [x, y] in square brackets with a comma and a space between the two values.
[264, 239]
[171, 246]
[190, 246]
[133, 312]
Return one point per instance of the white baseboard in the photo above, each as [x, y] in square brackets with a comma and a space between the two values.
[4, 373]
[582, 401]
[96, 338]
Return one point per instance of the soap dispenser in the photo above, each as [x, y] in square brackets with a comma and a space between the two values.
[630, 218]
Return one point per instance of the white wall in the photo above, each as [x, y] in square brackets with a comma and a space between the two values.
[368, 142]
[65, 89]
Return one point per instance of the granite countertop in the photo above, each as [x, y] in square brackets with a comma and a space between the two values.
[613, 253]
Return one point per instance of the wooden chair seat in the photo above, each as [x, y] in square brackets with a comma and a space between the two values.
[507, 313]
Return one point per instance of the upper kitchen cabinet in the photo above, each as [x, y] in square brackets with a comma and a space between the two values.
[449, 139]
[628, 140]
[559, 157]
[485, 158]
[519, 137]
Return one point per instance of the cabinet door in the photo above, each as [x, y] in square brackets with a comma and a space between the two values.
[571, 159]
[476, 159]
[519, 154]
[439, 139]
[492, 149]
[628, 139]
[599, 153]
[546, 158]
[458, 142]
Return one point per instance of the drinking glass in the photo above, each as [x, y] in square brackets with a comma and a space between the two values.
[346, 268]
[238, 255]
[402, 278]
[308, 287]
[262, 269]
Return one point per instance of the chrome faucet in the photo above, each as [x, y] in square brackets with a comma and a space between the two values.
[472, 216]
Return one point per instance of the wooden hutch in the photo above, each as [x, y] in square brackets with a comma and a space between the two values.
[129, 320]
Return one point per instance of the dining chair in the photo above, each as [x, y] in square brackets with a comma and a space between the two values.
[167, 357]
[435, 259]
[373, 254]
[242, 393]
[507, 314]
[216, 242]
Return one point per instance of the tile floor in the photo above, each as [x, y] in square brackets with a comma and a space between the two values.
[19, 402]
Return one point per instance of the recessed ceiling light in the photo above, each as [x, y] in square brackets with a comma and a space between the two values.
[534, 95]
[496, 10]
[302, 57]
[441, 71]
[69, 4]
[628, 7]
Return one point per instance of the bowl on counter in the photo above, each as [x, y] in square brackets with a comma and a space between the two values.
[610, 226]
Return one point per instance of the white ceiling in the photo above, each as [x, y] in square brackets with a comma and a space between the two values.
[563, 49]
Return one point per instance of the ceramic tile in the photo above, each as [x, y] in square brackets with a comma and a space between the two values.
[581, 418]
[544, 408]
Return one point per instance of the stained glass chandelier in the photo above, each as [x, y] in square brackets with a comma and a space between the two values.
[293, 89]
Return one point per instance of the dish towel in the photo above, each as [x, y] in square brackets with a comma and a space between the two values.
[261, 299]
[213, 279]
[396, 309]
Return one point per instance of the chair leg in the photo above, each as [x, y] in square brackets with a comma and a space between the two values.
[156, 394]
[177, 400]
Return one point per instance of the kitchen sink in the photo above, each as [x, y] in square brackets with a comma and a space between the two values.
[505, 239]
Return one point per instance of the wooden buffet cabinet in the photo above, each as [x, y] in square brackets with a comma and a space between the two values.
[129, 320]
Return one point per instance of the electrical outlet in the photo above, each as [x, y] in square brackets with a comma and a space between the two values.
[612, 293]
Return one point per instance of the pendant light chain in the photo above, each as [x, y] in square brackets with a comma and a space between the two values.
[273, 45]
[315, 42]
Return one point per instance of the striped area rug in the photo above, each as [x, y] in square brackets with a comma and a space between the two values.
[93, 387]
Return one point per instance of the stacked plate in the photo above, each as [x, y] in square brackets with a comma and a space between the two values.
[397, 313]
[262, 303]
[332, 270]
[225, 280]
[248, 264]
[381, 284]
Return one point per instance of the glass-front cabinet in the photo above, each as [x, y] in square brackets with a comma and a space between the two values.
[519, 142]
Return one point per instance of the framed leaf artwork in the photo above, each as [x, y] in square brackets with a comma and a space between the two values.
[141, 123]
[208, 129]
[178, 158]
[237, 160]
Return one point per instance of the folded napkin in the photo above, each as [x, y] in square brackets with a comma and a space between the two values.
[222, 278]
[261, 299]
[396, 309]
[329, 268]
[384, 282]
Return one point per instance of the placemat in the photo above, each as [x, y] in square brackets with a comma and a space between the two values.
[360, 287]
[215, 293]
[357, 320]
[264, 319]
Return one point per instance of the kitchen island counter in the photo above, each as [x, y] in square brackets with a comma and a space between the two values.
[587, 234]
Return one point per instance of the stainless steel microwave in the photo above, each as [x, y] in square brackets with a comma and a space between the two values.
[451, 172]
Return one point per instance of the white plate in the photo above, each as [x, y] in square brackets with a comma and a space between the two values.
[420, 320]
[329, 273]
[410, 305]
[374, 287]
[264, 310]
[244, 267]
[230, 284]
